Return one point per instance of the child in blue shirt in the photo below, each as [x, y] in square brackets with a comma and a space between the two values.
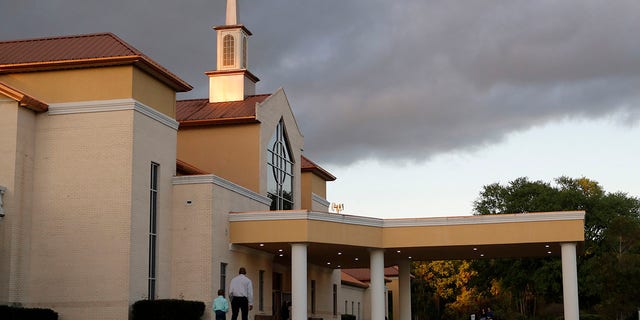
[220, 306]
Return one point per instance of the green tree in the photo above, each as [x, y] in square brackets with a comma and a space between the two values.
[611, 218]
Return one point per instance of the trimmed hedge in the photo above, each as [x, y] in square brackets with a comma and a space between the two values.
[18, 313]
[167, 309]
[348, 317]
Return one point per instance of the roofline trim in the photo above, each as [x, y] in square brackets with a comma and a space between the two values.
[215, 180]
[23, 99]
[245, 72]
[112, 105]
[320, 200]
[417, 222]
[234, 26]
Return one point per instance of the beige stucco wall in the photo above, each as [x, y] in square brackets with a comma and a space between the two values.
[17, 126]
[311, 183]
[75, 84]
[324, 291]
[393, 288]
[231, 152]
[153, 93]
[351, 295]
[91, 84]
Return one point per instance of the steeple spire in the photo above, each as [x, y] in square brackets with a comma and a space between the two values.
[232, 12]
[231, 81]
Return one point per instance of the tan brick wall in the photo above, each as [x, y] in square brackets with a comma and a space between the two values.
[17, 125]
[81, 217]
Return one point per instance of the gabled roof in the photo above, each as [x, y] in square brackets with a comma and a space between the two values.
[80, 51]
[22, 98]
[348, 279]
[364, 274]
[198, 112]
[310, 166]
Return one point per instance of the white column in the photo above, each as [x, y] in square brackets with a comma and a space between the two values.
[378, 301]
[570, 281]
[232, 13]
[404, 285]
[298, 281]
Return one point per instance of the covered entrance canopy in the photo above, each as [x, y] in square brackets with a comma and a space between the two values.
[343, 241]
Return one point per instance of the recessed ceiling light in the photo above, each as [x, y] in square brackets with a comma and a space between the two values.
[339, 253]
[546, 246]
[328, 263]
[280, 250]
[548, 252]
[398, 251]
[409, 257]
[282, 255]
[356, 259]
[339, 266]
[262, 244]
[475, 249]
[482, 254]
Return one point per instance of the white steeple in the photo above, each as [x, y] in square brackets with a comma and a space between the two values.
[232, 13]
[231, 81]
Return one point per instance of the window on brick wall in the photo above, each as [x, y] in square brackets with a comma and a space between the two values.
[261, 290]
[223, 276]
[153, 230]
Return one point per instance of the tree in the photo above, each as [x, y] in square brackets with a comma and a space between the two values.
[611, 218]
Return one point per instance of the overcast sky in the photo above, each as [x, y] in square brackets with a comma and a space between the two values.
[397, 87]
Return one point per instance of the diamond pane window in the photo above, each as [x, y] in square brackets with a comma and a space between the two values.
[280, 171]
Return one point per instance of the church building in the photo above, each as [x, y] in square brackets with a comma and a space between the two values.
[113, 191]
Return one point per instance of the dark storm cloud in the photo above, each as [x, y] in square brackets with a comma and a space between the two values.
[393, 80]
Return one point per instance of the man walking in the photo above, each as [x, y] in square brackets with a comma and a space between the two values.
[241, 293]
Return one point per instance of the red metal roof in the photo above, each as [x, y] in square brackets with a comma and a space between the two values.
[364, 274]
[310, 166]
[201, 112]
[89, 50]
[348, 279]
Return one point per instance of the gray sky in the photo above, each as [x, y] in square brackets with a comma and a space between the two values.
[397, 81]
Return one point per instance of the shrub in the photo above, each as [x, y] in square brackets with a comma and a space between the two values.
[19, 313]
[167, 309]
[348, 317]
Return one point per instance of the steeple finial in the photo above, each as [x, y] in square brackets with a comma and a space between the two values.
[232, 13]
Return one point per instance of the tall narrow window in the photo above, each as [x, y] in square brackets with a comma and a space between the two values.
[345, 307]
[313, 296]
[261, 290]
[223, 276]
[335, 299]
[227, 50]
[153, 229]
[280, 173]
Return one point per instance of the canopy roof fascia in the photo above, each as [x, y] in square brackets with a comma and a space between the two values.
[343, 240]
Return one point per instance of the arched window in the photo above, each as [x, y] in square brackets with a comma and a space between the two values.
[227, 50]
[280, 171]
